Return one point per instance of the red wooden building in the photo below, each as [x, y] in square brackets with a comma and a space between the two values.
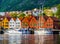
[33, 23]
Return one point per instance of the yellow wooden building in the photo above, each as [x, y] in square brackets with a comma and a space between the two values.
[5, 23]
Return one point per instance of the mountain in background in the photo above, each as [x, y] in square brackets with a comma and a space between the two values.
[18, 5]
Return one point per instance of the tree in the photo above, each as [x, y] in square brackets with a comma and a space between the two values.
[13, 15]
[48, 12]
[21, 15]
[58, 11]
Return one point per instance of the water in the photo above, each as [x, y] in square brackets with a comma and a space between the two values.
[31, 39]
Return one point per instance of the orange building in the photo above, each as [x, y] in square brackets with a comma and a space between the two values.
[41, 21]
[49, 23]
[33, 23]
[52, 22]
[25, 23]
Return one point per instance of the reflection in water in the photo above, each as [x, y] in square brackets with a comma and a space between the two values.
[32, 39]
[44, 39]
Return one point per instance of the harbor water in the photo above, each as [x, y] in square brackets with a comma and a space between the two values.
[30, 39]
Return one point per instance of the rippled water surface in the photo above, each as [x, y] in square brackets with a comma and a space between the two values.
[30, 39]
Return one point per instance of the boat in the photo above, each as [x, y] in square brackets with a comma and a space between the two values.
[43, 31]
[12, 32]
[24, 31]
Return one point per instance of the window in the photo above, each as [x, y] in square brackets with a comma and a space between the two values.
[17, 22]
[34, 24]
[24, 24]
[6, 25]
[10, 22]
[49, 24]
[11, 28]
[6, 22]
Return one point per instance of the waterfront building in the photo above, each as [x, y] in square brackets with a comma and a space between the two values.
[25, 23]
[5, 23]
[41, 21]
[12, 24]
[18, 23]
[49, 23]
[33, 23]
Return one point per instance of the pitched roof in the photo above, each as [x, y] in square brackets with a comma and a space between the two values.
[14, 19]
[28, 17]
[8, 18]
[45, 17]
[55, 19]
[20, 18]
[1, 18]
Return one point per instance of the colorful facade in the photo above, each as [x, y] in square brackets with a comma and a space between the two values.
[11, 24]
[25, 23]
[33, 23]
[30, 22]
[5, 23]
[49, 23]
[17, 23]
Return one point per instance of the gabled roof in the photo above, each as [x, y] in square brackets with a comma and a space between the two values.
[8, 18]
[21, 18]
[34, 18]
[25, 19]
[1, 18]
[45, 17]
[28, 18]
[14, 19]
[55, 19]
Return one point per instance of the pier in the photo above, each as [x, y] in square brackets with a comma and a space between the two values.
[55, 31]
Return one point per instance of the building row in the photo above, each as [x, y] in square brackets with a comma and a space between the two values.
[29, 22]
